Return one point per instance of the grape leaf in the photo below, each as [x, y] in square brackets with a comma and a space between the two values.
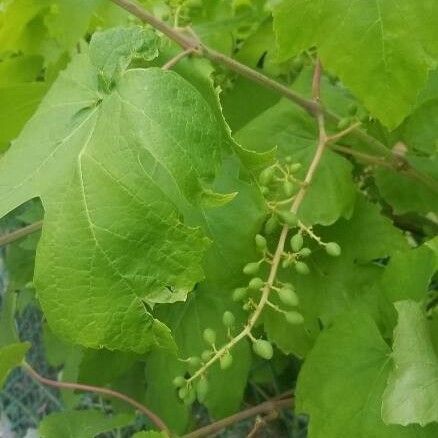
[113, 50]
[10, 357]
[375, 48]
[350, 354]
[411, 393]
[407, 194]
[293, 131]
[408, 274]
[119, 168]
[19, 102]
[68, 20]
[19, 69]
[80, 424]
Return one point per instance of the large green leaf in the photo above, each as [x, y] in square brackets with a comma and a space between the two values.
[10, 357]
[119, 169]
[342, 381]
[411, 393]
[80, 424]
[377, 48]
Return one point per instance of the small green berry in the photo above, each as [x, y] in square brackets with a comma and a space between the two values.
[239, 294]
[256, 283]
[246, 306]
[302, 268]
[194, 361]
[271, 225]
[295, 167]
[289, 159]
[263, 349]
[352, 109]
[179, 381]
[287, 263]
[190, 397]
[183, 392]
[289, 218]
[226, 360]
[305, 252]
[294, 318]
[206, 354]
[266, 176]
[296, 242]
[228, 319]
[298, 64]
[333, 249]
[209, 336]
[260, 241]
[288, 188]
[344, 123]
[202, 389]
[251, 268]
[288, 296]
[264, 190]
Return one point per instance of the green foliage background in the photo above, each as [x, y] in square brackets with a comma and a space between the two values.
[148, 183]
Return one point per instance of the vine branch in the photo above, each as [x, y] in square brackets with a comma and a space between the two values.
[154, 418]
[20, 233]
[265, 407]
[191, 42]
[275, 263]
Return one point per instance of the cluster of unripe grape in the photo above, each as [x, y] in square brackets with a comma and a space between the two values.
[279, 185]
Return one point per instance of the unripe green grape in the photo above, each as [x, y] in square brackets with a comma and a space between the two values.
[246, 306]
[264, 190]
[298, 64]
[202, 389]
[288, 188]
[266, 176]
[302, 268]
[190, 397]
[287, 263]
[239, 294]
[206, 354]
[228, 319]
[209, 336]
[344, 123]
[194, 361]
[271, 225]
[295, 167]
[305, 252]
[288, 296]
[288, 159]
[183, 392]
[333, 249]
[226, 360]
[352, 109]
[289, 218]
[296, 242]
[179, 381]
[256, 283]
[294, 318]
[251, 268]
[260, 241]
[263, 349]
